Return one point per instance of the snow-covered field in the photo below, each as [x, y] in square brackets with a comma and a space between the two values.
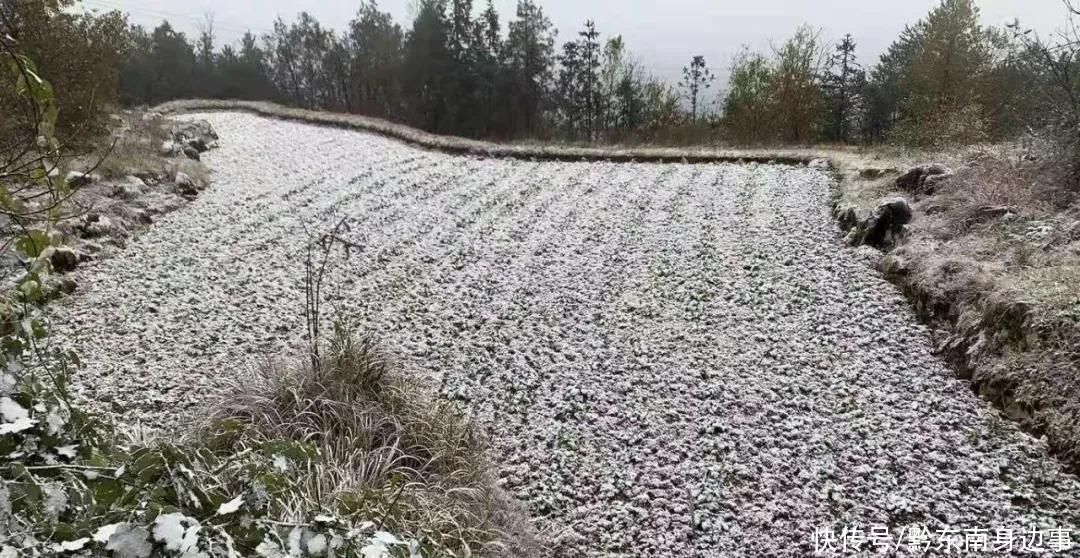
[671, 360]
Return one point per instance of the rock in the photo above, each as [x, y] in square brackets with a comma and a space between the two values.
[910, 179]
[820, 164]
[193, 137]
[884, 225]
[198, 144]
[183, 179]
[76, 179]
[848, 217]
[150, 178]
[130, 187]
[169, 148]
[186, 185]
[923, 179]
[68, 285]
[129, 217]
[988, 212]
[937, 168]
[56, 287]
[895, 265]
[871, 173]
[194, 129]
[932, 182]
[64, 259]
[187, 191]
[97, 225]
[898, 208]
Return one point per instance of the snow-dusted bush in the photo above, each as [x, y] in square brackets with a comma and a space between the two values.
[387, 449]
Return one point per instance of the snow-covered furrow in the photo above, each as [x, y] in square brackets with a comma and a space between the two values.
[670, 360]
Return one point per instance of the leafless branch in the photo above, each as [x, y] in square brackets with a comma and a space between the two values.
[315, 264]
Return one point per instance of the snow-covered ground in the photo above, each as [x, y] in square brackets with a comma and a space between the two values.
[671, 360]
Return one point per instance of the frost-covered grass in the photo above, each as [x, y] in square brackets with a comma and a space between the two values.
[134, 147]
[389, 449]
[524, 150]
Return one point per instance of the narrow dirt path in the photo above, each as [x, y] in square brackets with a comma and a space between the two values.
[671, 360]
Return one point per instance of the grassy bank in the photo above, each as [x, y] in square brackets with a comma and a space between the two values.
[465, 146]
[992, 256]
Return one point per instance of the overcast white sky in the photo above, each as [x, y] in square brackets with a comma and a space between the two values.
[663, 34]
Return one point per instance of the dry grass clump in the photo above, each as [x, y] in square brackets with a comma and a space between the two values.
[389, 450]
[1008, 214]
[136, 145]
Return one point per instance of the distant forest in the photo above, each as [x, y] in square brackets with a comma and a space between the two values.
[458, 69]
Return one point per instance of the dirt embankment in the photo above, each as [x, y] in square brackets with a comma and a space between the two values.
[991, 256]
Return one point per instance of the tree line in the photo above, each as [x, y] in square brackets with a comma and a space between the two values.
[459, 70]
[946, 79]
[456, 71]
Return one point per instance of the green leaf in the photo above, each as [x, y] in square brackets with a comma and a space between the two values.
[148, 466]
[10, 203]
[31, 289]
[33, 497]
[38, 328]
[63, 532]
[296, 451]
[30, 83]
[33, 243]
[60, 185]
[12, 346]
[24, 61]
[97, 459]
[8, 444]
[107, 491]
